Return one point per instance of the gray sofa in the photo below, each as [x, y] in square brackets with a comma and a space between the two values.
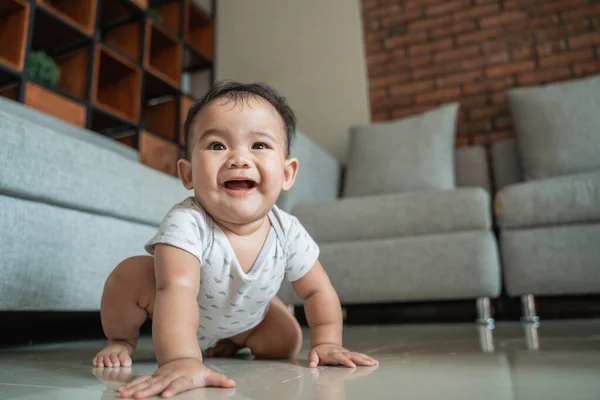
[548, 201]
[412, 221]
[73, 204]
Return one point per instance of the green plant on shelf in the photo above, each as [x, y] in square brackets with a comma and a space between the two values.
[42, 68]
[155, 15]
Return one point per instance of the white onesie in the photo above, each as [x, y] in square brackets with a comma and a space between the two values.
[230, 300]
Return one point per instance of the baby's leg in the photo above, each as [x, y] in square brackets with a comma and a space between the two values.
[278, 336]
[127, 301]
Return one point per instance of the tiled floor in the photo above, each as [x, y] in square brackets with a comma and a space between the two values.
[561, 360]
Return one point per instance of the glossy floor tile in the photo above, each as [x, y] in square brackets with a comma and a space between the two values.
[558, 360]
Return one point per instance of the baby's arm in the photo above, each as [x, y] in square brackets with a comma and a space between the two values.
[174, 327]
[324, 316]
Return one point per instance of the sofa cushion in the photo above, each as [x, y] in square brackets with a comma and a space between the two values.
[415, 153]
[552, 201]
[558, 127]
[39, 163]
[397, 215]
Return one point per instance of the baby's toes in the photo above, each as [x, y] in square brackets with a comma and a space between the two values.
[124, 359]
[114, 359]
[107, 362]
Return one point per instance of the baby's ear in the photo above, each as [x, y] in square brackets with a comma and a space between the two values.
[289, 174]
[184, 167]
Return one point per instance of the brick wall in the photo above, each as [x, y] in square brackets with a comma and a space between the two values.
[422, 53]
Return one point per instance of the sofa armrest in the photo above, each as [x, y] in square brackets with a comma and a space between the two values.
[318, 178]
[559, 200]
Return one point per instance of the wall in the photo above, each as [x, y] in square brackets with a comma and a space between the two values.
[422, 53]
[310, 51]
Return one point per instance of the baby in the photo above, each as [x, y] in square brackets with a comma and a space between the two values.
[220, 256]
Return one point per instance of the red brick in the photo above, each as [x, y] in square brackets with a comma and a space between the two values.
[462, 141]
[406, 112]
[369, 4]
[438, 96]
[382, 11]
[390, 103]
[587, 40]
[371, 37]
[505, 122]
[480, 140]
[501, 70]
[431, 46]
[385, 81]
[430, 23]
[377, 94]
[559, 32]
[521, 53]
[457, 79]
[376, 59]
[455, 54]
[446, 7]
[455, 28]
[547, 49]
[402, 40]
[494, 46]
[487, 112]
[558, 5]
[410, 4]
[490, 85]
[503, 19]
[479, 36]
[400, 18]
[473, 127]
[566, 58]
[422, 60]
[476, 12]
[498, 97]
[473, 101]
[434, 70]
[543, 76]
[581, 12]
[411, 88]
[587, 68]
[380, 116]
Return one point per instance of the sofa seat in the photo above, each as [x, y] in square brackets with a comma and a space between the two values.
[397, 215]
[552, 201]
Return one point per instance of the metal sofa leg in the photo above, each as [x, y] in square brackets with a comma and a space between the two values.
[528, 313]
[484, 312]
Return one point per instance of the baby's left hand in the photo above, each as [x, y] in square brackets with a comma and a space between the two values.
[331, 354]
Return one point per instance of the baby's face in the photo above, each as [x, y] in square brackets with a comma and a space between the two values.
[238, 162]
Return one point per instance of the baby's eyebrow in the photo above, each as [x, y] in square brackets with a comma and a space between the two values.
[212, 131]
[265, 135]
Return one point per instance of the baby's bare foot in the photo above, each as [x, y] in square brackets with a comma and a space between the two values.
[117, 354]
[223, 348]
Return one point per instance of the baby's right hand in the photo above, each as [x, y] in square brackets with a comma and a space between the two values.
[175, 377]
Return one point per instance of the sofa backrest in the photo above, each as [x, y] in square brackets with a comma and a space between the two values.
[506, 167]
[471, 167]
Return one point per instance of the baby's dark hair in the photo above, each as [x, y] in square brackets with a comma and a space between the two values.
[236, 91]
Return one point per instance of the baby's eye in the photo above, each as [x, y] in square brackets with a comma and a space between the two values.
[217, 146]
[259, 146]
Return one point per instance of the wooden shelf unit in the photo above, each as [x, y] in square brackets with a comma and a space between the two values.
[120, 70]
[14, 20]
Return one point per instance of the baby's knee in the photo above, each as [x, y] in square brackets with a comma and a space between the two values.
[133, 276]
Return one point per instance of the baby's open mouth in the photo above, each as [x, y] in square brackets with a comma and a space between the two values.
[240, 184]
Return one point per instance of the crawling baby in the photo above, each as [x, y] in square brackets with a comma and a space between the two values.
[219, 257]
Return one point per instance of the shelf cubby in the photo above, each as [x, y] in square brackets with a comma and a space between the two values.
[160, 117]
[199, 30]
[110, 125]
[158, 153]
[10, 91]
[116, 86]
[54, 36]
[80, 13]
[117, 12]
[50, 102]
[74, 72]
[163, 53]
[14, 20]
[186, 103]
[170, 13]
[130, 140]
[126, 40]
